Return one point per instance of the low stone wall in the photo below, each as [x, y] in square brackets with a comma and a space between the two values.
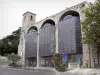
[73, 65]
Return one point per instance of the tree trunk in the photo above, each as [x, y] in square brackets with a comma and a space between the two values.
[98, 57]
[89, 55]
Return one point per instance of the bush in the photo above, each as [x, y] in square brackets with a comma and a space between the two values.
[15, 65]
[12, 64]
[56, 59]
[13, 59]
[61, 68]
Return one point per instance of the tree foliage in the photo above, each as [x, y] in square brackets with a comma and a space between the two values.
[91, 25]
[56, 59]
[1, 45]
[13, 58]
[10, 43]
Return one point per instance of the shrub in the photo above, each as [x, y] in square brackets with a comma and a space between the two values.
[13, 59]
[61, 68]
[56, 59]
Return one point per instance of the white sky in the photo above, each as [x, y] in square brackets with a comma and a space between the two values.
[11, 11]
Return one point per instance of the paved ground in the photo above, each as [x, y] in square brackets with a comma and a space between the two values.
[83, 71]
[6, 71]
[48, 71]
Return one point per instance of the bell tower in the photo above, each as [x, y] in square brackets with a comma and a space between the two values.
[28, 19]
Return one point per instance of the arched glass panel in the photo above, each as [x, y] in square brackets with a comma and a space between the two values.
[31, 43]
[47, 40]
[69, 34]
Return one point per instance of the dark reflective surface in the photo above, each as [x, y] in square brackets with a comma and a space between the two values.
[31, 44]
[47, 40]
[70, 35]
[69, 38]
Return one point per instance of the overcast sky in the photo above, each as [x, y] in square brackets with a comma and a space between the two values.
[11, 11]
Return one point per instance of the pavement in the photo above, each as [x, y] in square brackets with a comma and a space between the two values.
[85, 71]
[82, 71]
[48, 71]
[10, 71]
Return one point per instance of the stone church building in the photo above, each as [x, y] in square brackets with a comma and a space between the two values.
[58, 33]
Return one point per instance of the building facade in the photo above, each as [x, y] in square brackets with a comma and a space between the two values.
[58, 33]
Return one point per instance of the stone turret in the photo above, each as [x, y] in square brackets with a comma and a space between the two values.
[28, 19]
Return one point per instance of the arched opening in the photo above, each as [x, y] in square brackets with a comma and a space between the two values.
[32, 28]
[31, 18]
[47, 42]
[31, 46]
[69, 14]
[48, 21]
[24, 18]
[69, 34]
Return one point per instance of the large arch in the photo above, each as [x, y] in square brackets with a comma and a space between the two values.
[48, 21]
[69, 35]
[47, 40]
[32, 27]
[71, 12]
[31, 46]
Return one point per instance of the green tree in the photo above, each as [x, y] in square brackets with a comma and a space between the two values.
[56, 59]
[10, 43]
[91, 26]
[13, 58]
[1, 46]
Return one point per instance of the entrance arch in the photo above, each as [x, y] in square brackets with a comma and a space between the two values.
[69, 35]
[31, 46]
[71, 12]
[47, 41]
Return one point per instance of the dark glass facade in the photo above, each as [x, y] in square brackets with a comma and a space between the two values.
[31, 44]
[69, 35]
[47, 40]
[69, 38]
